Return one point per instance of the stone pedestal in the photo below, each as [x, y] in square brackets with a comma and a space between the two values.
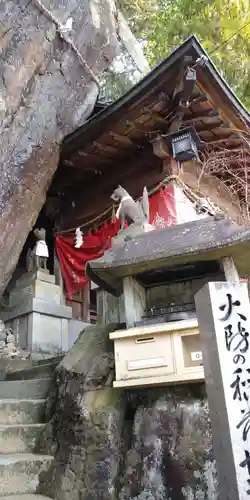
[39, 321]
[130, 232]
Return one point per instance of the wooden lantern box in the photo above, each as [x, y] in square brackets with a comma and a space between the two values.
[167, 353]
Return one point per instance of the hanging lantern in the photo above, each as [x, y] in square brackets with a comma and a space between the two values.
[184, 144]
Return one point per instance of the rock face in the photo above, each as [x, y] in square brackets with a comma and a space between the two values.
[45, 92]
[171, 455]
[150, 444]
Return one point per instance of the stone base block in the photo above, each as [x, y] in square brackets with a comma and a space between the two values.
[47, 291]
[40, 326]
[39, 321]
[48, 334]
[38, 285]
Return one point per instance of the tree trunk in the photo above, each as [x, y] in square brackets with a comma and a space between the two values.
[46, 91]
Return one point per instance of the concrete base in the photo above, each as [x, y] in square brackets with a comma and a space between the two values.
[38, 320]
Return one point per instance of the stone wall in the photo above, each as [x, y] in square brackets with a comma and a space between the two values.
[150, 444]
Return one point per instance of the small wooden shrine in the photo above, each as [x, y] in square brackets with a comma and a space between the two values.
[139, 139]
[154, 277]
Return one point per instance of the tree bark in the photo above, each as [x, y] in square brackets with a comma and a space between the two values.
[46, 91]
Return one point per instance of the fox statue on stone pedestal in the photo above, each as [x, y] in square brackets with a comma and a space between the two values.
[38, 256]
[130, 211]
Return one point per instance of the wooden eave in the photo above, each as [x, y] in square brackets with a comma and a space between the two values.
[114, 146]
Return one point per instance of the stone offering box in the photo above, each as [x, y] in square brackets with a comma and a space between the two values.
[148, 283]
[161, 354]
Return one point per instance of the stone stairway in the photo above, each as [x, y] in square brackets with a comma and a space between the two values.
[21, 419]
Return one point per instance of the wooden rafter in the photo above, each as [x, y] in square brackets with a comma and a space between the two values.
[182, 93]
[104, 187]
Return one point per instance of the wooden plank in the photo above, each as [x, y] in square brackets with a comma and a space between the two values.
[181, 95]
[103, 148]
[207, 127]
[196, 117]
[110, 309]
[223, 132]
[230, 270]
[134, 300]
[121, 139]
[199, 98]
[230, 138]
[86, 165]
[86, 303]
[202, 106]
[90, 158]
[214, 97]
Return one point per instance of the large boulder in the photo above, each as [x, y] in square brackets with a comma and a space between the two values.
[171, 455]
[46, 91]
[150, 444]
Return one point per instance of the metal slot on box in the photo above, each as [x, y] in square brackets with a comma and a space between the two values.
[144, 340]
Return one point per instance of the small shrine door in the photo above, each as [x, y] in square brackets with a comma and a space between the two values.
[83, 304]
[80, 304]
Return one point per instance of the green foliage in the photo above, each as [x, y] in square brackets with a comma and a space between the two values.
[163, 25]
[121, 75]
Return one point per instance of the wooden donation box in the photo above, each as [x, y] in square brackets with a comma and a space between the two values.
[166, 353]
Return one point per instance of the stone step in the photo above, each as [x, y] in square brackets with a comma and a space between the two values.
[21, 411]
[12, 369]
[25, 496]
[43, 370]
[9, 365]
[20, 472]
[19, 438]
[25, 389]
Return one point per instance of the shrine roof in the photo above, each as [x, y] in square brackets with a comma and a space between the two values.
[114, 145]
[207, 239]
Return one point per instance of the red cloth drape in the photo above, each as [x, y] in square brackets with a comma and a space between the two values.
[163, 207]
[73, 260]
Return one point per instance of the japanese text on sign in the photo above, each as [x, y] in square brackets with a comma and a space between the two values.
[237, 344]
